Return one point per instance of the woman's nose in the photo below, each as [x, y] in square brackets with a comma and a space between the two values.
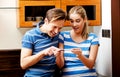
[74, 23]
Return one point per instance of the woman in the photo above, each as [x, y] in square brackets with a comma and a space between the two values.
[80, 47]
[39, 46]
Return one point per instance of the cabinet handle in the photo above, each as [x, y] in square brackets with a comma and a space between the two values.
[9, 7]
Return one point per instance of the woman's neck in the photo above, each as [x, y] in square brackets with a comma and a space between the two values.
[75, 34]
[76, 37]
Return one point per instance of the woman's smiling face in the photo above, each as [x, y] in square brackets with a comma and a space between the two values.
[77, 22]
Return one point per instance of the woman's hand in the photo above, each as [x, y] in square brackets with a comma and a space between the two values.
[77, 51]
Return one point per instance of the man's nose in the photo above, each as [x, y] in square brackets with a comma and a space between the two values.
[56, 31]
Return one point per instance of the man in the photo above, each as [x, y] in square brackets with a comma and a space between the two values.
[39, 46]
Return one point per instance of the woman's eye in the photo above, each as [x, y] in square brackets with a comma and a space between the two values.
[77, 20]
[71, 21]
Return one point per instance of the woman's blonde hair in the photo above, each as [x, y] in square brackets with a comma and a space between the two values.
[81, 11]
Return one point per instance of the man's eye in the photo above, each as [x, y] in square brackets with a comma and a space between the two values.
[55, 27]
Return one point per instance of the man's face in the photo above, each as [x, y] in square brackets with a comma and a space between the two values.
[54, 27]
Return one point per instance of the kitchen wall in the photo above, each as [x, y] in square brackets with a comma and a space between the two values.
[10, 35]
[104, 60]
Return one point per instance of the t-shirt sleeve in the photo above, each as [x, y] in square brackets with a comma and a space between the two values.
[27, 41]
[95, 40]
[61, 38]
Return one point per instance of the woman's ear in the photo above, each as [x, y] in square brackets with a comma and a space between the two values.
[85, 19]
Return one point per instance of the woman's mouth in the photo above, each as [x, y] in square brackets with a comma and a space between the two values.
[75, 28]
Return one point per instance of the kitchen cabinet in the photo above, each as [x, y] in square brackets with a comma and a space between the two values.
[92, 7]
[32, 11]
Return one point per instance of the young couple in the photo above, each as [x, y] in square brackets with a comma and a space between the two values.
[45, 47]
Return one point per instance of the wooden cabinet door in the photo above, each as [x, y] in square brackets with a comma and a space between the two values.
[93, 8]
[35, 3]
[63, 4]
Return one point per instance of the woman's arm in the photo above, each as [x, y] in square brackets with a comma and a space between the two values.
[89, 62]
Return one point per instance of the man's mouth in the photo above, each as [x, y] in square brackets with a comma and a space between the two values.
[53, 33]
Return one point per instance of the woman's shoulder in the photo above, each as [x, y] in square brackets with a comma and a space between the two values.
[94, 38]
[92, 35]
[65, 32]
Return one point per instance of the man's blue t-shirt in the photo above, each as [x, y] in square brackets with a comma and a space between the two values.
[38, 41]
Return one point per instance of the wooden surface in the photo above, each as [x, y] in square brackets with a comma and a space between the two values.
[115, 38]
[10, 63]
[58, 4]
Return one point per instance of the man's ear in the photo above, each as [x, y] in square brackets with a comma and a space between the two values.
[46, 21]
